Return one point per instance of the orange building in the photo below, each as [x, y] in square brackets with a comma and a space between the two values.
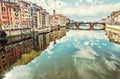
[10, 15]
[26, 14]
[14, 14]
[4, 14]
[57, 19]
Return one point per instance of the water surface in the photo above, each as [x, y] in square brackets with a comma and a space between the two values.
[78, 55]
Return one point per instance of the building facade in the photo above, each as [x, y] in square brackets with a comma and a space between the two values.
[14, 14]
[4, 14]
[57, 19]
[47, 19]
[113, 19]
[10, 16]
[17, 19]
[25, 14]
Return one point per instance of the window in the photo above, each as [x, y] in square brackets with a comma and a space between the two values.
[4, 66]
[16, 14]
[3, 57]
[3, 61]
[3, 17]
[5, 22]
[3, 8]
[1, 52]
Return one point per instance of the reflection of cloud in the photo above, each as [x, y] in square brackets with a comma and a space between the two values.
[87, 52]
[86, 43]
[114, 57]
[104, 44]
[63, 39]
[101, 68]
[87, 34]
[19, 72]
[92, 68]
[90, 1]
[85, 60]
[99, 47]
[111, 65]
[49, 49]
[117, 46]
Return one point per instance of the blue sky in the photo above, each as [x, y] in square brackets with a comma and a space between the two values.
[81, 10]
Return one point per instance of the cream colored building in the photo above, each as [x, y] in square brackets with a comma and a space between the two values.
[117, 19]
[113, 19]
[57, 19]
[43, 17]
[47, 20]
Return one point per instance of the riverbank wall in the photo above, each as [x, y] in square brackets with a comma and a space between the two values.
[17, 46]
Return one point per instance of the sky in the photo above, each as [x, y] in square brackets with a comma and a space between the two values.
[81, 10]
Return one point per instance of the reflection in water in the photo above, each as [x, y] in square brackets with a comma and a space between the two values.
[87, 27]
[113, 37]
[79, 55]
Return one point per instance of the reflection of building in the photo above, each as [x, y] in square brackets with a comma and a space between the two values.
[14, 17]
[114, 36]
[57, 19]
[3, 63]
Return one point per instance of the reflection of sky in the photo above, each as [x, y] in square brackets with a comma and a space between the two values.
[75, 55]
[87, 26]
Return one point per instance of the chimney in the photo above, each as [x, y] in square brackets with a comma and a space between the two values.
[54, 12]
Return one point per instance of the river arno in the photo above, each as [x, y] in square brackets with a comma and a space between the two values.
[78, 55]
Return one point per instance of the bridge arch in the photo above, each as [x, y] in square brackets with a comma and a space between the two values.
[91, 25]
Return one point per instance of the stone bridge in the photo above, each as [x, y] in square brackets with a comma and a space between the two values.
[91, 25]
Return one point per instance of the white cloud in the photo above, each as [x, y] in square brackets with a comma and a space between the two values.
[90, 10]
[87, 53]
[49, 49]
[79, 8]
[90, 1]
[19, 72]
